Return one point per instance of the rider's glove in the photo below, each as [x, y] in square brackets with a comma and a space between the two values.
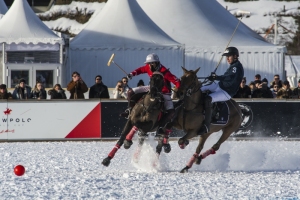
[129, 76]
[212, 76]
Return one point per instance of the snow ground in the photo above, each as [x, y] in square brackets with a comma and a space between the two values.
[72, 170]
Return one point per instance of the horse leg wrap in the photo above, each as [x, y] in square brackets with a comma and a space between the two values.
[166, 136]
[192, 160]
[208, 152]
[131, 133]
[113, 151]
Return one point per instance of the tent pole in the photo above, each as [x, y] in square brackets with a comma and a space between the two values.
[3, 64]
[275, 30]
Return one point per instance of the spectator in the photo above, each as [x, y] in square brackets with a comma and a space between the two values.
[98, 90]
[296, 91]
[252, 87]
[276, 81]
[38, 92]
[57, 92]
[285, 92]
[275, 90]
[22, 91]
[244, 90]
[77, 87]
[257, 77]
[265, 81]
[125, 84]
[262, 91]
[119, 91]
[140, 83]
[4, 94]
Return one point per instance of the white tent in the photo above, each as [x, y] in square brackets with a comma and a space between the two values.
[122, 28]
[205, 28]
[20, 27]
[292, 66]
[3, 8]
[22, 31]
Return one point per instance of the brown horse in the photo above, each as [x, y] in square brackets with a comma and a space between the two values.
[190, 117]
[144, 117]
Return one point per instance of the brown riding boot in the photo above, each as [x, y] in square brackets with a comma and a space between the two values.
[208, 114]
[131, 104]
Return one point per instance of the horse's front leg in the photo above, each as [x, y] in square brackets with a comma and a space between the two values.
[126, 129]
[196, 158]
[184, 141]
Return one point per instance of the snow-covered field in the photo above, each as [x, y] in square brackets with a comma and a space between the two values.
[257, 169]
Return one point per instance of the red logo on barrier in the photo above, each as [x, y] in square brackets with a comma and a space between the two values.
[89, 127]
[7, 112]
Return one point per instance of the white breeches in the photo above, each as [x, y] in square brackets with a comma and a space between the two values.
[217, 93]
[168, 101]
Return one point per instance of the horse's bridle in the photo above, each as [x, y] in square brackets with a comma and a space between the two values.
[191, 89]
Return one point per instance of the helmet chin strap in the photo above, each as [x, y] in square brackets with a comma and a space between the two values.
[156, 68]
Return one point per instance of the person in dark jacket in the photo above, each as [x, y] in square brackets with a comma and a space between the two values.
[226, 88]
[22, 91]
[244, 90]
[77, 86]
[38, 92]
[99, 90]
[57, 92]
[4, 94]
[296, 91]
[285, 92]
[262, 90]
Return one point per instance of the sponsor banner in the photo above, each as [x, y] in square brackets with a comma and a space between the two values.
[112, 124]
[276, 118]
[50, 120]
[261, 118]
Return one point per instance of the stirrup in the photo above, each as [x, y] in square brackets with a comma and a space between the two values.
[126, 113]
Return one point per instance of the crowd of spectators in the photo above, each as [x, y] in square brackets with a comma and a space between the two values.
[258, 88]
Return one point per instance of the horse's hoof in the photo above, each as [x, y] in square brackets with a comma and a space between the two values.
[127, 144]
[167, 148]
[183, 143]
[106, 161]
[185, 170]
[198, 160]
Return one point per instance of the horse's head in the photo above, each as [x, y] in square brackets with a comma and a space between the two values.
[189, 83]
[156, 84]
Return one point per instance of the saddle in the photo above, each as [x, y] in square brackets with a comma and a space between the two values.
[220, 115]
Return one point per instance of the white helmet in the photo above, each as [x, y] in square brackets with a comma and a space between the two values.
[152, 58]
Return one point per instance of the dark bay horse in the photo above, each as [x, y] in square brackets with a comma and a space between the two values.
[144, 117]
[190, 117]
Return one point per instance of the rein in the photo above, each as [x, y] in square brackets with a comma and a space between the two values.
[193, 88]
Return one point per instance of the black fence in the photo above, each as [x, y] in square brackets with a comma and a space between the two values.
[270, 118]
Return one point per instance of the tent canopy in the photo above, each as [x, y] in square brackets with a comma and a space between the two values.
[21, 25]
[205, 20]
[122, 24]
[3, 8]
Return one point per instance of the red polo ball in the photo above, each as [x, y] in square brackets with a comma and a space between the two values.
[19, 170]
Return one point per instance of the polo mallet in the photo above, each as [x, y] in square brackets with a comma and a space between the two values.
[242, 13]
[111, 60]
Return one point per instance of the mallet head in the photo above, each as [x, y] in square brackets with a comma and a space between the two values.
[111, 59]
